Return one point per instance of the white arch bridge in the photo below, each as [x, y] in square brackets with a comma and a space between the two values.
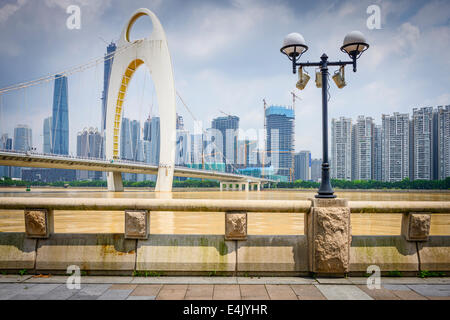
[26, 159]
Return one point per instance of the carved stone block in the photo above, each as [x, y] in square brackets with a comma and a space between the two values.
[235, 225]
[137, 224]
[416, 226]
[38, 223]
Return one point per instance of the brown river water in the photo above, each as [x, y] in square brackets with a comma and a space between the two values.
[213, 222]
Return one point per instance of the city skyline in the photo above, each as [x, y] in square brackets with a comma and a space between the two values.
[206, 84]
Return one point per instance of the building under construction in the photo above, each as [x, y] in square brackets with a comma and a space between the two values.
[279, 123]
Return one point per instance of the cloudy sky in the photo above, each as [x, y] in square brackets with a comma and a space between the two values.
[226, 58]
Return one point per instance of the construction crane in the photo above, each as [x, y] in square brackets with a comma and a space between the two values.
[227, 114]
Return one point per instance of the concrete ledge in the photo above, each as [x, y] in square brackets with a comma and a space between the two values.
[88, 251]
[17, 251]
[435, 253]
[186, 253]
[273, 254]
[390, 253]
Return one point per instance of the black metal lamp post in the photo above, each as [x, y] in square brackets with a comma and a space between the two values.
[293, 47]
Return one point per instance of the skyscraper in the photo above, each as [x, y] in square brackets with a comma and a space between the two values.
[395, 147]
[109, 58]
[302, 165]
[182, 156]
[362, 151]
[422, 141]
[341, 148]
[442, 142]
[280, 139]
[228, 127]
[47, 145]
[148, 129]
[60, 117]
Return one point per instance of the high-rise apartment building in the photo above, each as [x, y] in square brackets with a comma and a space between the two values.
[341, 148]
[377, 159]
[442, 142]
[362, 148]
[89, 144]
[395, 147]
[422, 144]
[280, 140]
[316, 170]
[302, 165]
[60, 117]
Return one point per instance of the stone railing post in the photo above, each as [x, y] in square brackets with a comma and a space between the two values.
[38, 223]
[137, 224]
[328, 231]
[416, 226]
[235, 225]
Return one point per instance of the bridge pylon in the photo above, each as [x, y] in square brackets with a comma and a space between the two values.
[153, 52]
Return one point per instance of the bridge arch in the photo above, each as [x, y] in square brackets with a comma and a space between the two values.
[152, 52]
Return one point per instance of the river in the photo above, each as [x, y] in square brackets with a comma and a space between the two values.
[213, 223]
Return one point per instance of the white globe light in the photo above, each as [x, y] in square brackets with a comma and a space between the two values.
[354, 43]
[293, 45]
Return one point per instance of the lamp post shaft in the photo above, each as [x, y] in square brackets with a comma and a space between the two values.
[325, 189]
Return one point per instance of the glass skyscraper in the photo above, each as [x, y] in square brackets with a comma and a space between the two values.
[60, 117]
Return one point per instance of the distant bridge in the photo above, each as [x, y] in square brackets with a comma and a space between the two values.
[36, 160]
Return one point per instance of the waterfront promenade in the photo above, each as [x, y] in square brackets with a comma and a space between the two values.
[13, 287]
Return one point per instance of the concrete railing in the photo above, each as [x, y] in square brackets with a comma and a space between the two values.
[326, 248]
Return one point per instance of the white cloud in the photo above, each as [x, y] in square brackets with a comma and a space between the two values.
[9, 9]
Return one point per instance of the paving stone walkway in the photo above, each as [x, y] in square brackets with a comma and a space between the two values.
[220, 288]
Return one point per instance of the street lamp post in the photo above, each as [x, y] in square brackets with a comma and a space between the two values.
[293, 47]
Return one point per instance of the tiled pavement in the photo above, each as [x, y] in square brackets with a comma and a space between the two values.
[221, 288]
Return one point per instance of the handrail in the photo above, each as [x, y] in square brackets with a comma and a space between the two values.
[203, 205]
[215, 205]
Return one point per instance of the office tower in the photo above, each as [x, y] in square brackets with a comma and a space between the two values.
[109, 58]
[280, 139]
[395, 147]
[47, 145]
[89, 142]
[442, 142]
[241, 158]
[5, 144]
[22, 142]
[362, 148]
[377, 158]
[155, 140]
[228, 127]
[422, 142]
[135, 127]
[182, 156]
[60, 117]
[316, 170]
[341, 148]
[147, 129]
[247, 154]
[302, 165]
